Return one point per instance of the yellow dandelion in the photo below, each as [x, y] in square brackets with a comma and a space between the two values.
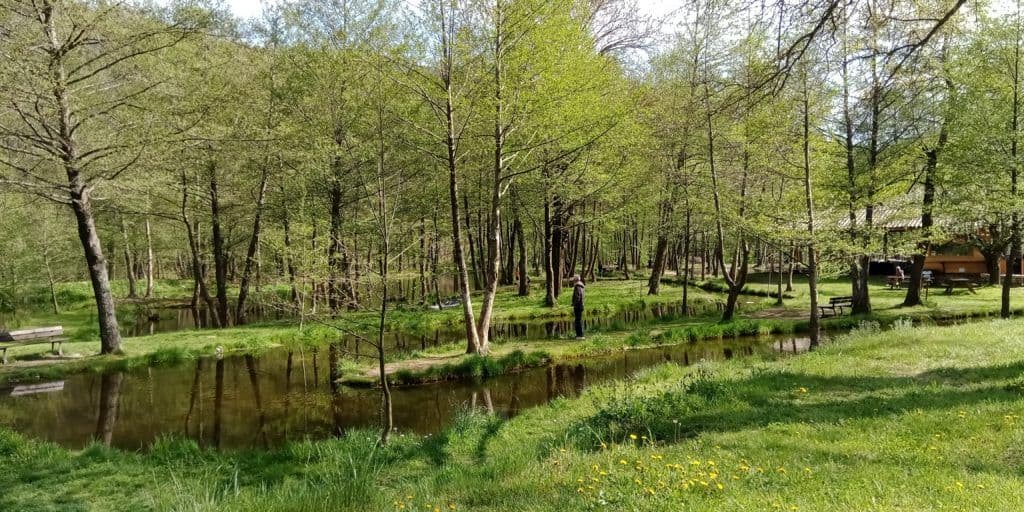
[632, 436]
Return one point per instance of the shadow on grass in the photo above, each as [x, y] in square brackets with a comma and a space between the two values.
[773, 397]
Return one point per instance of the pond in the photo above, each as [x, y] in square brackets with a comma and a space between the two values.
[258, 402]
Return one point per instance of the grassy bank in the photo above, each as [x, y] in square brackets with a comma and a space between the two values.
[605, 298]
[906, 419]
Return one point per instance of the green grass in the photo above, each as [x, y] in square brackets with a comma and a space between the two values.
[904, 419]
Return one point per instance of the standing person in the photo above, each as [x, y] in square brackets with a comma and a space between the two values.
[578, 292]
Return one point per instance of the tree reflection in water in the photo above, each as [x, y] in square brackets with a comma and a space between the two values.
[110, 394]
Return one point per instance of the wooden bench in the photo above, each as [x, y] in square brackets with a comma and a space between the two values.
[836, 305]
[52, 335]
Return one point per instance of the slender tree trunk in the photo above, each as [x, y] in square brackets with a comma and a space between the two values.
[289, 260]
[913, 297]
[658, 268]
[387, 416]
[812, 259]
[992, 265]
[1015, 222]
[550, 299]
[250, 253]
[220, 260]
[422, 260]
[197, 267]
[859, 264]
[51, 282]
[686, 263]
[792, 258]
[335, 249]
[524, 280]
[474, 264]
[110, 333]
[149, 261]
[451, 148]
[129, 265]
[558, 221]
[778, 291]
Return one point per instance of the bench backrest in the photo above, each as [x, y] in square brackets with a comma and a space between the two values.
[841, 300]
[32, 334]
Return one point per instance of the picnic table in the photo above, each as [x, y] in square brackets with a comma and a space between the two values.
[959, 282]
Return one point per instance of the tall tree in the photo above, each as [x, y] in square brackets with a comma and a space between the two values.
[67, 106]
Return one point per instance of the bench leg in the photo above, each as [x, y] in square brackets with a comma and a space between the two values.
[60, 348]
[5, 354]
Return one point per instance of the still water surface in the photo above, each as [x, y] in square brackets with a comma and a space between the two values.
[248, 402]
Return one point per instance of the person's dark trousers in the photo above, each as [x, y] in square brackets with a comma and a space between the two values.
[578, 323]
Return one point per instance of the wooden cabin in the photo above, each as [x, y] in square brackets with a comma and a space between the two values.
[963, 258]
[902, 215]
